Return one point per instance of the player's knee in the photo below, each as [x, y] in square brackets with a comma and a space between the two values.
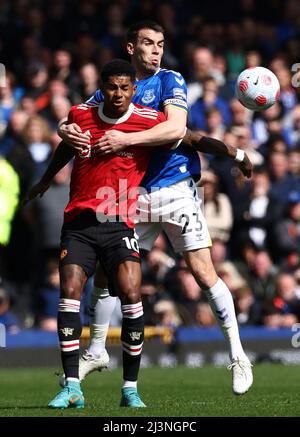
[204, 274]
[70, 290]
[131, 293]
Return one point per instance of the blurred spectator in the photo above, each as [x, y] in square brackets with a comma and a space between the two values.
[209, 99]
[236, 53]
[166, 314]
[253, 59]
[203, 67]
[86, 49]
[36, 81]
[267, 123]
[7, 318]
[47, 214]
[204, 315]
[259, 212]
[262, 278]
[218, 252]
[114, 28]
[62, 71]
[36, 137]
[287, 233]
[218, 211]
[287, 299]
[271, 317]
[88, 84]
[151, 292]
[294, 162]
[248, 312]
[288, 96]
[159, 263]
[228, 272]
[13, 132]
[240, 114]
[9, 98]
[282, 182]
[59, 109]
[189, 295]
[27, 104]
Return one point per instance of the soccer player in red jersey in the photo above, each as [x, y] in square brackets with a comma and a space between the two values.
[98, 226]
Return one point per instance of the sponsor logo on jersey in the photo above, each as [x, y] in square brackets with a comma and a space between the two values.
[148, 96]
[125, 154]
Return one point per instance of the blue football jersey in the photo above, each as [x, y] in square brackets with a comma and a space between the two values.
[166, 166]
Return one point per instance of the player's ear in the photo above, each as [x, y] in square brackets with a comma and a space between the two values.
[130, 48]
[134, 89]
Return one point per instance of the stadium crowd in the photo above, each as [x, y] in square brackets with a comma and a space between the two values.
[53, 52]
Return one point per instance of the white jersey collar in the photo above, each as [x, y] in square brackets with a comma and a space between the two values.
[115, 120]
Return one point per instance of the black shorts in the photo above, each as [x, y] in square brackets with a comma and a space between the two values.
[84, 241]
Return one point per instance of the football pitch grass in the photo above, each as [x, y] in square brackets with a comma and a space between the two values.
[178, 392]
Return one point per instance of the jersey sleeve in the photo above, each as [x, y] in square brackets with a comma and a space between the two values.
[76, 113]
[95, 99]
[72, 115]
[174, 90]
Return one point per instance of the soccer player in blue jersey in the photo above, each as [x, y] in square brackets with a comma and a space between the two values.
[173, 172]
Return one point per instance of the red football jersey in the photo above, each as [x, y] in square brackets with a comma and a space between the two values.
[107, 184]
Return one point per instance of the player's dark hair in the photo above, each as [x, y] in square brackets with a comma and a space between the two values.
[118, 67]
[133, 31]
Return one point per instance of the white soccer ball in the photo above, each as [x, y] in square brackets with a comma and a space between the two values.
[257, 88]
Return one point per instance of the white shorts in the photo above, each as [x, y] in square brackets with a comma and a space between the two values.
[175, 209]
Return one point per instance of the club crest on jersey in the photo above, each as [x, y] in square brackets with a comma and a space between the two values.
[148, 96]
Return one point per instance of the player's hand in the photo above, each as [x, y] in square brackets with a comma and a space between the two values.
[73, 136]
[37, 190]
[113, 141]
[246, 167]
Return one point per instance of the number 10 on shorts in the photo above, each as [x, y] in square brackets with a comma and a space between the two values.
[131, 243]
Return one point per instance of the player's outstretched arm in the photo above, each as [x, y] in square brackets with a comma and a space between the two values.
[169, 131]
[62, 155]
[215, 147]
